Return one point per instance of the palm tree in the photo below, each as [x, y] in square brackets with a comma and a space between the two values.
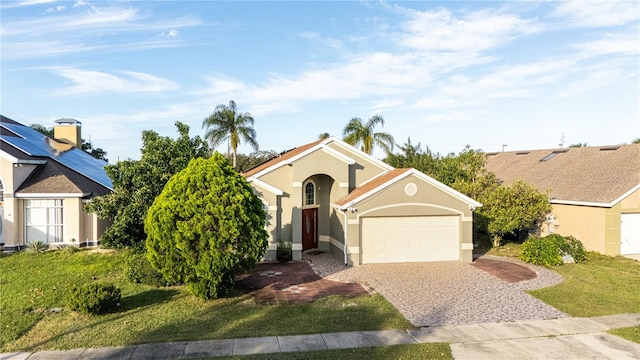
[227, 124]
[356, 133]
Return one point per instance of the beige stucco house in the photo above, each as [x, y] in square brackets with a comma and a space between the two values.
[44, 184]
[330, 196]
[595, 192]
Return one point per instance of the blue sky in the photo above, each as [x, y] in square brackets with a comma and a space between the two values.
[447, 74]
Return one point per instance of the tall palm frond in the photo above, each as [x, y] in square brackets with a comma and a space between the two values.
[227, 124]
[356, 133]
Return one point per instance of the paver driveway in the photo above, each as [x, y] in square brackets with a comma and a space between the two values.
[449, 293]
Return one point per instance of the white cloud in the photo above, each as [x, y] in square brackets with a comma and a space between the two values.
[441, 30]
[597, 13]
[17, 4]
[623, 44]
[92, 82]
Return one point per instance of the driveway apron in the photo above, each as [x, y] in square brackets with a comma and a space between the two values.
[453, 293]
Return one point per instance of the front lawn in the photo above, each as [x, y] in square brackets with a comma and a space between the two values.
[603, 285]
[34, 316]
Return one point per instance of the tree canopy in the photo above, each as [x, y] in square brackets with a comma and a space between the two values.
[136, 183]
[227, 124]
[206, 225]
[361, 134]
[246, 162]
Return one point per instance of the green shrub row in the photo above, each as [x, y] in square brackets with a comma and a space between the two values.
[93, 298]
[548, 251]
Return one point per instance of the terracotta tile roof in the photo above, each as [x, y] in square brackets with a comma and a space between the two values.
[598, 174]
[371, 185]
[283, 157]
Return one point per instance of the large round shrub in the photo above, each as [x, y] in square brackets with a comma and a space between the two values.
[548, 251]
[205, 226]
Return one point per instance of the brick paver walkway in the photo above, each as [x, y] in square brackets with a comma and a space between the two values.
[292, 283]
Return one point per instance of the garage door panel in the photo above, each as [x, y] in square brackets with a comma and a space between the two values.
[410, 239]
[630, 234]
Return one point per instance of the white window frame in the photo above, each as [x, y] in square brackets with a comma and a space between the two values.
[304, 193]
[51, 225]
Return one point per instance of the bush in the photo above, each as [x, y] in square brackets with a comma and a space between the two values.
[138, 269]
[37, 247]
[93, 298]
[206, 225]
[549, 250]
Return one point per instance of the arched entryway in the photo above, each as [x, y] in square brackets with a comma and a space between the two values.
[316, 197]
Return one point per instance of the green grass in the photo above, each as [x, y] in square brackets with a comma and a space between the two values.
[32, 284]
[507, 250]
[403, 352]
[629, 333]
[603, 285]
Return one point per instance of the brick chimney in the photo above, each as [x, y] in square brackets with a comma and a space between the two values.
[69, 131]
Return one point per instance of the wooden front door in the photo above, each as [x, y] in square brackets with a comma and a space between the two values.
[309, 228]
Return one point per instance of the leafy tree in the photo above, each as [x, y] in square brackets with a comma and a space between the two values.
[246, 162]
[414, 157]
[578, 145]
[511, 208]
[87, 146]
[136, 183]
[227, 124]
[323, 135]
[636, 141]
[42, 129]
[357, 133]
[205, 226]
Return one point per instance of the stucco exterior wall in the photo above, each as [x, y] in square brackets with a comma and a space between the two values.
[631, 203]
[364, 170]
[585, 223]
[428, 201]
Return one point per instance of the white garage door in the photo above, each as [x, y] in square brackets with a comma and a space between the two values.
[410, 239]
[630, 234]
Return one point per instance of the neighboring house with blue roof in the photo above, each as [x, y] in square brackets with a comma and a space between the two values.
[44, 184]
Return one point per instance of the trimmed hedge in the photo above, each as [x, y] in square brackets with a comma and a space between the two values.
[549, 250]
[93, 298]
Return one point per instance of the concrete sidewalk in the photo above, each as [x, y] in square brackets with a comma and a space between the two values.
[565, 338]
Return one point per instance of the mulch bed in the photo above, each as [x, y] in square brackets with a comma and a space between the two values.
[292, 283]
[504, 270]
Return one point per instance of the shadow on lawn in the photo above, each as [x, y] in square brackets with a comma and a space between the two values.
[147, 298]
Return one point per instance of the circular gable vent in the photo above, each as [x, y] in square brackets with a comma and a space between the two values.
[411, 189]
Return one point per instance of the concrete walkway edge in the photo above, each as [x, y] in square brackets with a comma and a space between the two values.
[529, 339]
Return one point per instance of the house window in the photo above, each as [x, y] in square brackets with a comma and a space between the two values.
[43, 220]
[310, 194]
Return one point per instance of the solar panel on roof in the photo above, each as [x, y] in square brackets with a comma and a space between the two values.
[34, 143]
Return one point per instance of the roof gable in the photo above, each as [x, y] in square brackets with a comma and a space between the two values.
[294, 154]
[595, 175]
[389, 178]
[26, 143]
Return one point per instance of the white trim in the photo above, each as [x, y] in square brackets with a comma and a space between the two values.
[458, 212]
[272, 189]
[324, 238]
[359, 152]
[50, 195]
[353, 221]
[343, 185]
[296, 246]
[304, 194]
[353, 250]
[338, 154]
[273, 208]
[320, 146]
[595, 204]
[272, 246]
[467, 218]
[336, 243]
[296, 184]
[466, 246]
[425, 178]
